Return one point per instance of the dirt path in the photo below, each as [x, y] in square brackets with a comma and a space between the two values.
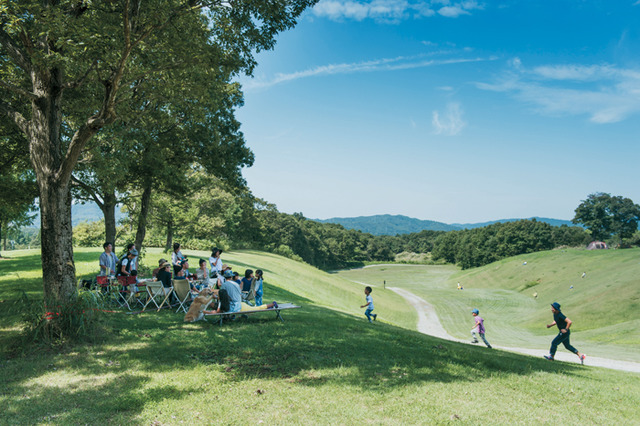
[428, 323]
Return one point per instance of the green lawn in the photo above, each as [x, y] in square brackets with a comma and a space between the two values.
[324, 365]
[603, 304]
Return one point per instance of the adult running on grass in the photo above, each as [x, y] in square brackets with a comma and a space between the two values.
[563, 323]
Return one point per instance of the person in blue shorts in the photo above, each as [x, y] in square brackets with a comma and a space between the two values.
[563, 323]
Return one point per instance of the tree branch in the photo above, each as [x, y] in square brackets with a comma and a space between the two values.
[89, 190]
[18, 55]
[81, 80]
[18, 90]
[16, 117]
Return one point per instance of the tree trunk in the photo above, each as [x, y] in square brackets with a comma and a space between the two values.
[45, 146]
[5, 238]
[109, 212]
[168, 247]
[144, 211]
[58, 268]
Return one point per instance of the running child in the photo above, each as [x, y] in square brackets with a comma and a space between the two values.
[369, 304]
[478, 328]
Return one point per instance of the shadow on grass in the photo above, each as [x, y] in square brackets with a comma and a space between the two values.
[314, 347]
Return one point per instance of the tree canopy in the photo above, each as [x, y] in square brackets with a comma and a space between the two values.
[605, 215]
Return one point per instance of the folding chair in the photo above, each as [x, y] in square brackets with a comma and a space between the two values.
[126, 290]
[182, 290]
[249, 297]
[157, 293]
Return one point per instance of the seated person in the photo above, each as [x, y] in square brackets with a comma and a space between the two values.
[160, 263]
[235, 298]
[236, 278]
[126, 263]
[259, 289]
[181, 270]
[246, 281]
[202, 273]
[164, 274]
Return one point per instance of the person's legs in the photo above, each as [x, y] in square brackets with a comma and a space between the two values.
[555, 342]
[368, 314]
[473, 335]
[484, 340]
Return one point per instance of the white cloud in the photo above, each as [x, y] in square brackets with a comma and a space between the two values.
[451, 122]
[386, 64]
[391, 10]
[604, 93]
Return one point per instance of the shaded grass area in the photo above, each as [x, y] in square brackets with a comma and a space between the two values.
[321, 365]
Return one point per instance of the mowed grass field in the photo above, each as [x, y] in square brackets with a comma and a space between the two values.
[324, 365]
[603, 305]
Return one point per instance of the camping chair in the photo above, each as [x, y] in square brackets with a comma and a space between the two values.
[157, 293]
[126, 291]
[249, 297]
[185, 295]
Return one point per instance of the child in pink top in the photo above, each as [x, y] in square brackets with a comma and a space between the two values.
[478, 328]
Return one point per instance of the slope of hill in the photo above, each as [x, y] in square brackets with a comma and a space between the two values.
[323, 365]
[399, 224]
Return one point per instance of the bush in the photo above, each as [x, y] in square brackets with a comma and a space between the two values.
[58, 324]
[89, 234]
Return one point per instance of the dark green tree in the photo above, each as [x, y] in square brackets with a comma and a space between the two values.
[52, 51]
[605, 215]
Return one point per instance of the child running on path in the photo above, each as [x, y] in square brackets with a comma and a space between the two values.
[478, 328]
[369, 304]
[563, 323]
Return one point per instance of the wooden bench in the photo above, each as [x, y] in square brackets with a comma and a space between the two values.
[281, 307]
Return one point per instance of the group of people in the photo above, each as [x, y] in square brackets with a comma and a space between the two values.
[125, 265]
[228, 286]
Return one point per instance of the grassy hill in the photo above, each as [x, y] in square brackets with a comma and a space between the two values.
[603, 305]
[323, 365]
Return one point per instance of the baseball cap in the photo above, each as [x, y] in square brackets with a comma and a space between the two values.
[475, 311]
[556, 306]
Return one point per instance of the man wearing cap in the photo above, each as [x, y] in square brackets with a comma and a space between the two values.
[563, 323]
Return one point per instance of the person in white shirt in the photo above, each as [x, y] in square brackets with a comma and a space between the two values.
[369, 304]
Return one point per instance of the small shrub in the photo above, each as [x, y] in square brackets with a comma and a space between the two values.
[77, 320]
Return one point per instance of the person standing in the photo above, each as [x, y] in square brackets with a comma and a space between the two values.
[369, 304]
[563, 323]
[259, 289]
[478, 328]
[108, 260]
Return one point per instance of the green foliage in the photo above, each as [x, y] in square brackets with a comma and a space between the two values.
[89, 234]
[54, 324]
[605, 215]
[480, 246]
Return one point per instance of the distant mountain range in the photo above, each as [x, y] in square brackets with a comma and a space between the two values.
[89, 212]
[387, 224]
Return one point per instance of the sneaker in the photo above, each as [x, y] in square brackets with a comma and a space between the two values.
[375, 316]
[275, 304]
[489, 346]
[474, 341]
[549, 357]
[582, 357]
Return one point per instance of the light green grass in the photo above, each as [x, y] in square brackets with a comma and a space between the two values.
[603, 305]
[321, 366]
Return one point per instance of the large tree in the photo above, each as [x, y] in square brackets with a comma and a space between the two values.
[605, 215]
[52, 50]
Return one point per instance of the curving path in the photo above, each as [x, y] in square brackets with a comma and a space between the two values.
[428, 323]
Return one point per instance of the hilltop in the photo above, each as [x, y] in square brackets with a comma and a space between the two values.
[398, 224]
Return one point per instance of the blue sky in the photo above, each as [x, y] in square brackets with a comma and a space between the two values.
[455, 111]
